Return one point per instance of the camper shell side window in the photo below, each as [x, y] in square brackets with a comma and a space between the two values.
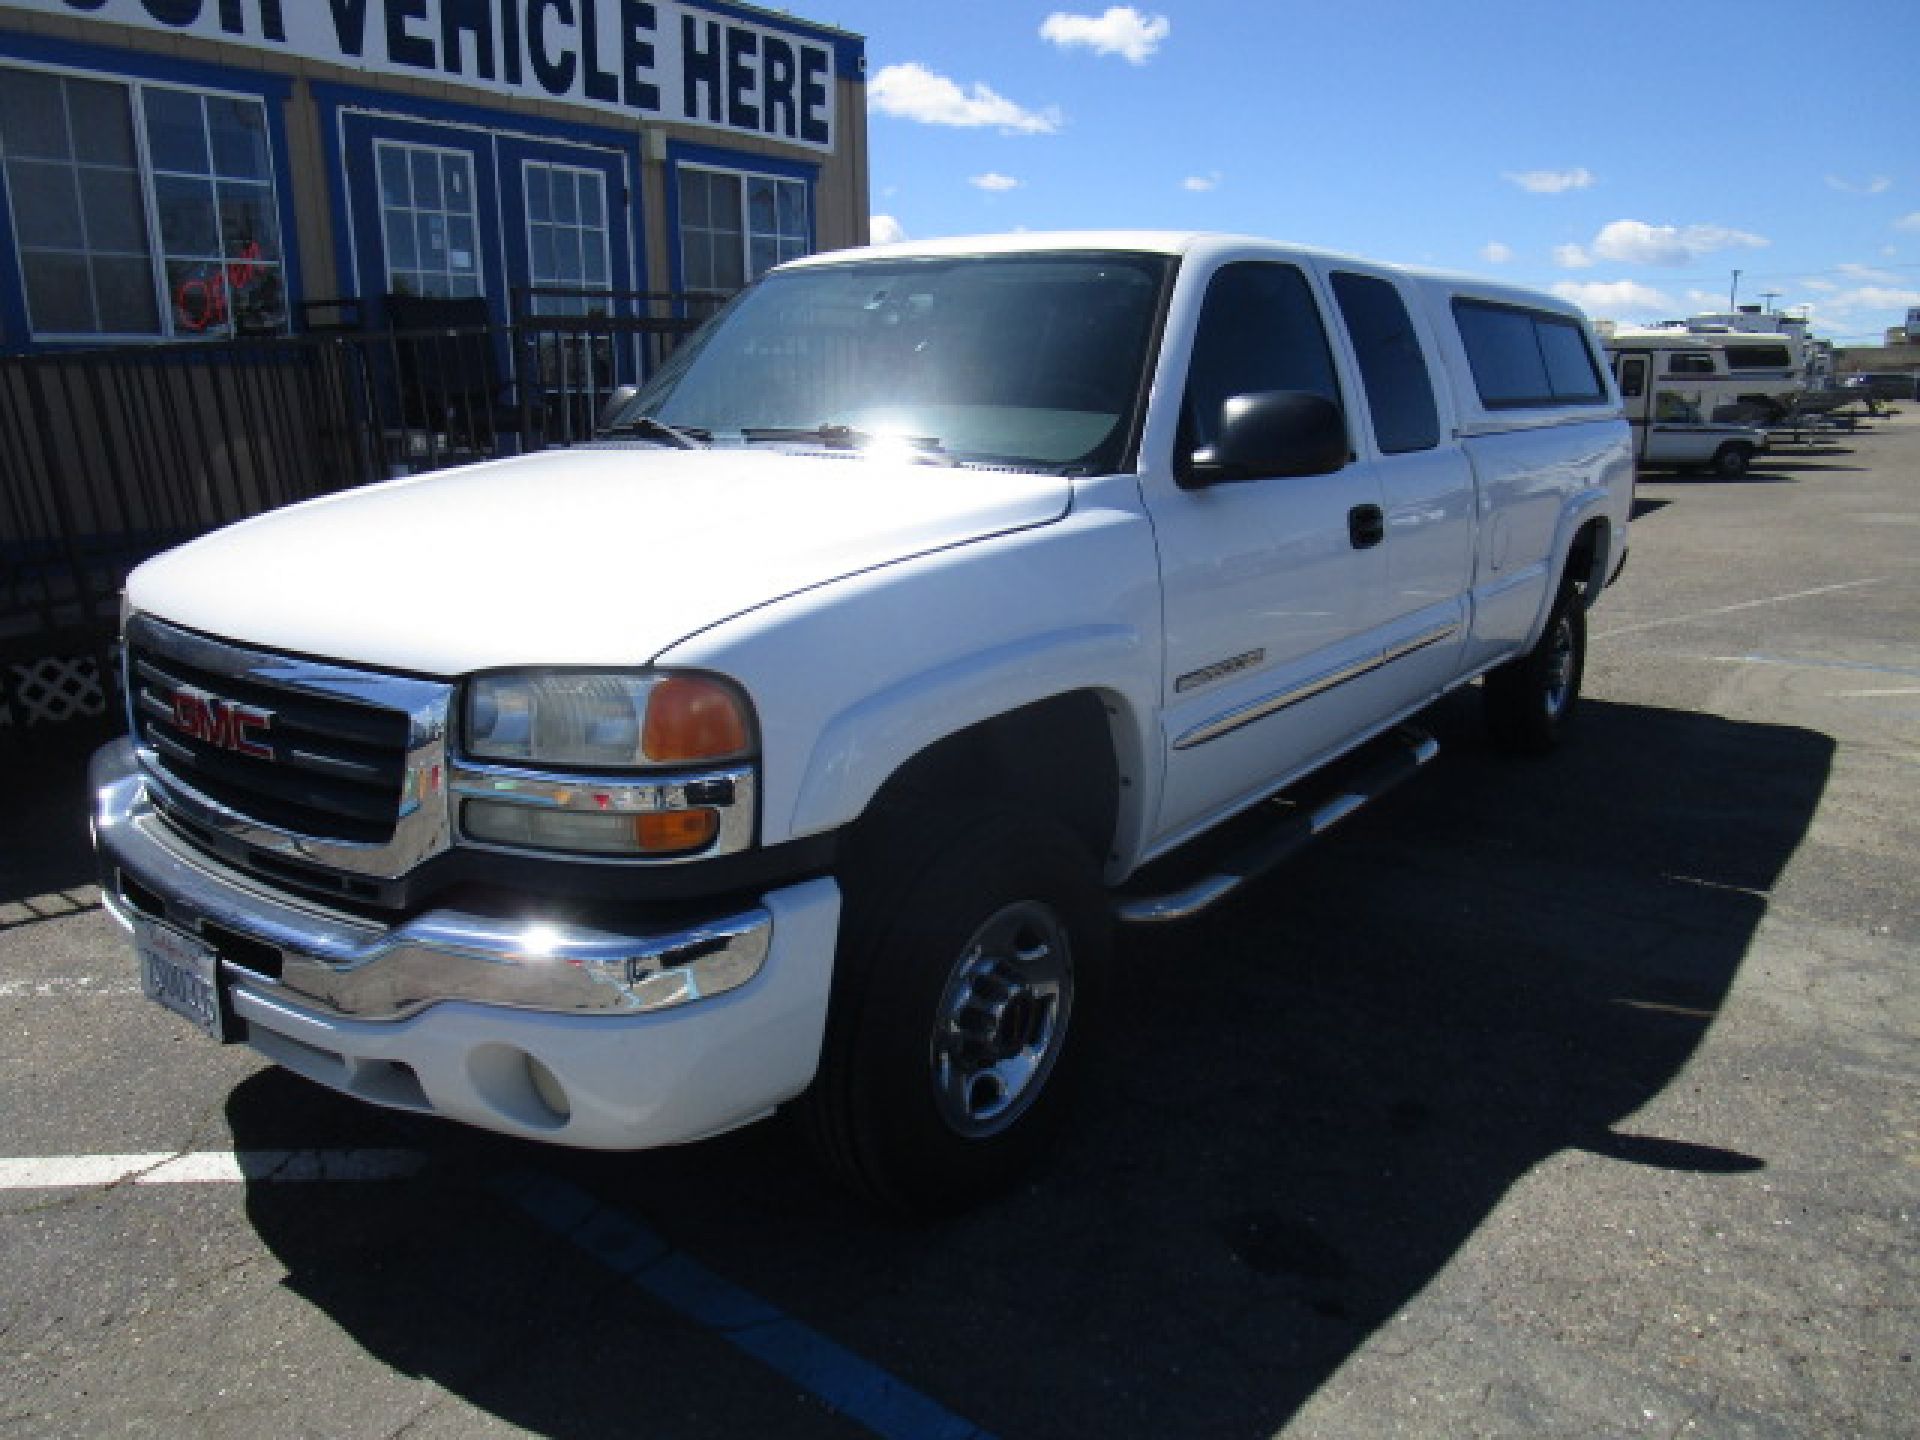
[1527, 359]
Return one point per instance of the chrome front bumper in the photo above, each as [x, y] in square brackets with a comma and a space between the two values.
[344, 966]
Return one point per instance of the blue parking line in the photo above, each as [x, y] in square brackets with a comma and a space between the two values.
[831, 1373]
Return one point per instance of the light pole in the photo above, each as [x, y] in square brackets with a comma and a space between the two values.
[1733, 295]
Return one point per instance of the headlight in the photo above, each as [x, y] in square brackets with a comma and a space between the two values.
[545, 743]
[606, 721]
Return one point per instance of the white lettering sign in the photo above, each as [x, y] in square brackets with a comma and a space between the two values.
[643, 59]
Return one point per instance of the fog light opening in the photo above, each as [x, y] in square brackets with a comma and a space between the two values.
[519, 1088]
[552, 1093]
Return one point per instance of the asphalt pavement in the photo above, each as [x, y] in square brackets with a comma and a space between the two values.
[1575, 1097]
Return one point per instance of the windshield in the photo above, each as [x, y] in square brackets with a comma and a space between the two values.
[1025, 360]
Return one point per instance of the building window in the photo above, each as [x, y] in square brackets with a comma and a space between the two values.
[735, 227]
[567, 237]
[428, 219]
[176, 237]
[219, 226]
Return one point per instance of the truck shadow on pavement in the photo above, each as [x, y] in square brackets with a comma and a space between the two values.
[1315, 1098]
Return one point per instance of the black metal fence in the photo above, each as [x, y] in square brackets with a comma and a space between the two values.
[110, 456]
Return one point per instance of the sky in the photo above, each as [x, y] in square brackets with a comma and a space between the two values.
[1628, 155]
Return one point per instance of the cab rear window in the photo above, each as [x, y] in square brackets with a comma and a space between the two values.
[1527, 358]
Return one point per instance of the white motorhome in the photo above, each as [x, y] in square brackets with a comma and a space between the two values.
[1672, 375]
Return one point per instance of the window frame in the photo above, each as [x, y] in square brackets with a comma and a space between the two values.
[1694, 363]
[577, 305]
[1230, 271]
[1551, 399]
[1366, 363]
[683, 158]
[135, 77]
[383, 143]
[1763, 355]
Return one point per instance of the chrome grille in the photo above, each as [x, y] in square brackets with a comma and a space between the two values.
[283, 760]
[335, 768]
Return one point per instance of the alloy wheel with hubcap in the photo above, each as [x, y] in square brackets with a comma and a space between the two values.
[1002, 1019]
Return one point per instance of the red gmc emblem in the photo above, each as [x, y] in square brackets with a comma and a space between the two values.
[223, 724]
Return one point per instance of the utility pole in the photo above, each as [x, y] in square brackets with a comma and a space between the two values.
[1733, 295]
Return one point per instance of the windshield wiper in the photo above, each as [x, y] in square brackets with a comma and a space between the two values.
[842, 437]
[648, 428]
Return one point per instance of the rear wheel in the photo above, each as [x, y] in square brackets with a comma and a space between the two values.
[1732, 460]
[1530, 701]
[969, 986]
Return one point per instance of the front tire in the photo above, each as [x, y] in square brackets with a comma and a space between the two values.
[968, 990]
[1530, 701]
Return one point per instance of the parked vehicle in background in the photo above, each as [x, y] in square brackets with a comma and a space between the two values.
[1692, 445]
[800, 744]
[1727, 378]
[1886, 384]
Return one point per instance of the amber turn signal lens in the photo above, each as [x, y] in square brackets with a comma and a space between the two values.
[668, 832]
[690, 718]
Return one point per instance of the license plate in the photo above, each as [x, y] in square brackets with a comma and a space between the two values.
[183, 974]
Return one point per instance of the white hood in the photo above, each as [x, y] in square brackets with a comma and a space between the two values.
[597, 556]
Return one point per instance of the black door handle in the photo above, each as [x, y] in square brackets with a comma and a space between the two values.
[1366, 526]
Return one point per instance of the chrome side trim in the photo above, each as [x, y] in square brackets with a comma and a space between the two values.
[1233, 720]
[1422, 641]
[1271, 705]
[342, 966]
[421, 828]
[733, 792]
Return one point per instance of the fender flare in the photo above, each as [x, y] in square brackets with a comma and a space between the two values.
[867, 742]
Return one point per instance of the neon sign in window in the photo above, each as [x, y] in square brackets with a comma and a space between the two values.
[140, 209]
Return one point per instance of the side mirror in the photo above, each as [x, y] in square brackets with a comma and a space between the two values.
[1274, 433]
[616, 402]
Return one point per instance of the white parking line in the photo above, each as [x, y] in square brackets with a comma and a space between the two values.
[1730, 609]
[200, 1167]
[66, 987]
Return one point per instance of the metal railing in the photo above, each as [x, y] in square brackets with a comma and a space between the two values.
[576, 346]
[110, 456]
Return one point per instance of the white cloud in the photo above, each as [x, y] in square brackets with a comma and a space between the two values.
[913, 92]
[1908, 222]
[1820, 287]
[1122, 30]
[1874, 297]
[1634, 242]
[1864, 311]
[1199, 184]
[1551, 182]
[1873, 185]
[1616, 299]
[993, 181]
[1495, 253]
[1572, 257]
[1867, 275]
[885, 230]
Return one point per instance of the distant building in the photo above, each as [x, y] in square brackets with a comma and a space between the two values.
[180, 169]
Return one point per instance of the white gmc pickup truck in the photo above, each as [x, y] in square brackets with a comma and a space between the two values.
[801, 741]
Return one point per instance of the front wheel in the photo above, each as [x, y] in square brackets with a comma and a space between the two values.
[969, 987]
[1530, 701]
